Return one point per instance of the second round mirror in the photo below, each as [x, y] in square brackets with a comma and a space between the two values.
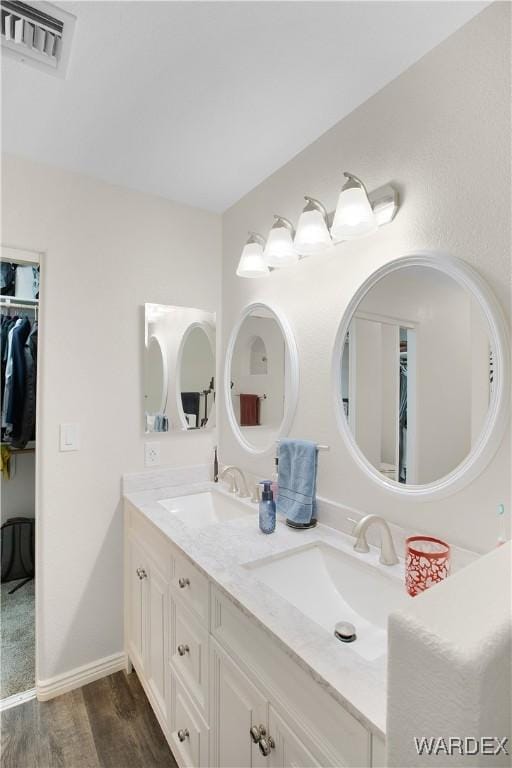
[261, 378]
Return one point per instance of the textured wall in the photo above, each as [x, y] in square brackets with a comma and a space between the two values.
[107, 251]
[440, 132]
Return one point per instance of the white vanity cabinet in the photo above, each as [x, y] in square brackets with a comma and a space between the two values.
[225, 693]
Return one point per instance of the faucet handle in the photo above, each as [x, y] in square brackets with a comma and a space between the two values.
[354, 522]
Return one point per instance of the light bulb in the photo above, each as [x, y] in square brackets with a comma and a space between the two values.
[252, 263]
[280, 251]
[312, 235]
[354, 216]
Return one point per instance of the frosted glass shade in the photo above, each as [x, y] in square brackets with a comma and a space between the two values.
[312, 235]
[354, 216]
[252, 263]
[280, 251]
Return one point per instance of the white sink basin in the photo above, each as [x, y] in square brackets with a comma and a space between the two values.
[200, 509]
[329, 586]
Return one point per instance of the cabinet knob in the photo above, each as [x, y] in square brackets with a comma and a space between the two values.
[141, 573]
[183, 734]
[183, 581]
[183, 649]
[256, 732]
[266, 745]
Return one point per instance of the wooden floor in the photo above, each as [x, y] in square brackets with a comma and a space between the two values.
[107, 724]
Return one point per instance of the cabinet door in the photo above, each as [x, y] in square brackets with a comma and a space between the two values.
[287, 751]
[137, 588]
[156, 661]
[237, 706]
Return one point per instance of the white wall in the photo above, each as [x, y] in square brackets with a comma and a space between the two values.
[107, 251]
[440, 132]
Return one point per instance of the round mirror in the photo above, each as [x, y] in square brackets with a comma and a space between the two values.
[261, 378]
[419, 371]
[197, 377]
[155, 380]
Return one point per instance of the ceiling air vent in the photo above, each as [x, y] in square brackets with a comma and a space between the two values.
[38, 34]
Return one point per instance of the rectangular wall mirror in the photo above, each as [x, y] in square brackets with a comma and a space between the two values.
[179, 368]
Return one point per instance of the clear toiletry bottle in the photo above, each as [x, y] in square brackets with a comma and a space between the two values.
[275, 478]
[267, 509]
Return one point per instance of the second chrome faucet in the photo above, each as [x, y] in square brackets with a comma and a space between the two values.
[387, 548]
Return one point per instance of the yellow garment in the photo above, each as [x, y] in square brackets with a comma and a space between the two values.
[5, 462]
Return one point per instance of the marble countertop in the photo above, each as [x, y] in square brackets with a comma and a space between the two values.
[220, 550]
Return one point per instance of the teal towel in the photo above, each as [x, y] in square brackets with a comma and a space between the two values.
[297, 480]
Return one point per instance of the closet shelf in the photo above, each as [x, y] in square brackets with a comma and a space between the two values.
[14, 451]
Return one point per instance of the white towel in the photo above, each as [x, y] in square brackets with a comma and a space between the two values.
[449, 667]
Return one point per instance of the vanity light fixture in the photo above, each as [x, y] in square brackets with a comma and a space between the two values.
[354, 216]
[312, 237]
[252, 263]
[357, 214]
[280, 251]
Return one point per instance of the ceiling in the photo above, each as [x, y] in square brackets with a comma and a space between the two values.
[201, 101]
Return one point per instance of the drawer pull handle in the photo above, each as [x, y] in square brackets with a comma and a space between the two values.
[183, 734]
[141, 573]
[183, 649]
[266, 745]
[183, 581]
[257, 732]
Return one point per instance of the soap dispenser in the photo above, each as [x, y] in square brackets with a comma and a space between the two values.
[267, 509]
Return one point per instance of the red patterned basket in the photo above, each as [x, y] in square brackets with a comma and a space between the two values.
[427, 561]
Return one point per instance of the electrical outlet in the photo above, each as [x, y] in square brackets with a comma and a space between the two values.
[151, 454]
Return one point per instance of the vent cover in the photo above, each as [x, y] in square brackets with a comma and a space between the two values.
[38, 34]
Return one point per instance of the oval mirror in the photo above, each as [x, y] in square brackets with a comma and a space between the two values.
[420, 368]
[261, 378]
[155, 381]
[197, 377]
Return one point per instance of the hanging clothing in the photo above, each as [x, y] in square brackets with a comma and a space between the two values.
[16, 400]
[19, 370]
[28, 419]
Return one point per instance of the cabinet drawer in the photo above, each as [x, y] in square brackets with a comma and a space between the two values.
[190, 586]
[188, 654]
[189, 734]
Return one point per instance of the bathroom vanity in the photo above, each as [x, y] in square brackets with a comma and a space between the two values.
[230, 633]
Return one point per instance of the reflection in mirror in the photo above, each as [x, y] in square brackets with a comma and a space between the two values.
[197, 378]
[258, 376]
[155, 384]
[179, 368]
[416, 375]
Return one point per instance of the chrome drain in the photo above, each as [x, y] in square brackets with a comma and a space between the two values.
[345, 631]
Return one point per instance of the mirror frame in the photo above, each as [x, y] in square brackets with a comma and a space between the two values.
[165, 373]
[209, 331]
[291, 396]
[496, 422]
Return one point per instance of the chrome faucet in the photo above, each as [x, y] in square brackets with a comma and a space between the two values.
[238, 486]
[387, 548]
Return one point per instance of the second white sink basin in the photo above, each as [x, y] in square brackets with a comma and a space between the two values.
[200, 509]
[329, 586]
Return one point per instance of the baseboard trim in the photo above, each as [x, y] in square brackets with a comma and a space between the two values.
[76, 678]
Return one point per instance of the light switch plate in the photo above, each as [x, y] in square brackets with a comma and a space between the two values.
[70, 437]
[151, 454]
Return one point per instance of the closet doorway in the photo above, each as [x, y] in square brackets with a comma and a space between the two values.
[19, 301]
